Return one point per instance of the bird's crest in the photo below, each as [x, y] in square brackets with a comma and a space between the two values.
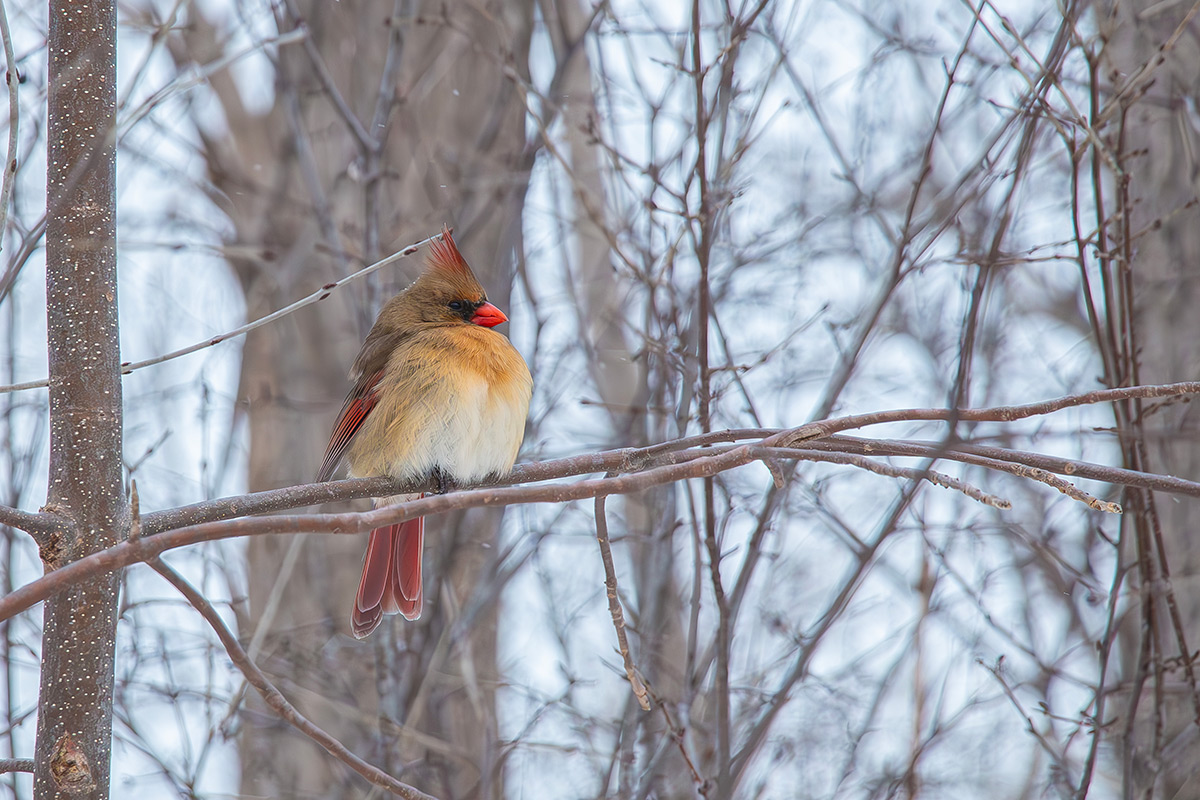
[444, 256]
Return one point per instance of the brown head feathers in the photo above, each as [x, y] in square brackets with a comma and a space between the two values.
[446, 293]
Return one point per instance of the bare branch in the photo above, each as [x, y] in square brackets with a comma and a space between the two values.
[203, 74]
[614, 606]
[693, 464]
[131, 552]
[315, 297]
[818, 430]
[274, 698]
[11, 80]
[811, 434]
[632, 459]
[1009, 460]
[623, 460]
[1019, 469]
[686, 465]
[36, 524]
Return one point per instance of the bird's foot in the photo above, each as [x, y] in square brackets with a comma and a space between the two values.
[443, 482]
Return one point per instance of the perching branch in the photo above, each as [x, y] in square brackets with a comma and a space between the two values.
[815, 436]
[146, 547]
[656, 465]
[694, 464]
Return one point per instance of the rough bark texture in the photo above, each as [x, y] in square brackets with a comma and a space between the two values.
[74, 729]
[1161, 142]
[302, 187]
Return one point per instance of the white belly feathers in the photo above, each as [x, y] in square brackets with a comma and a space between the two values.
[465, 418]
[474, 434]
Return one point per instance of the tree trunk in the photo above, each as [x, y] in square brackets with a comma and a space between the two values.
[74, 727]
[1158, 140]
[637, 390]
[446, 131]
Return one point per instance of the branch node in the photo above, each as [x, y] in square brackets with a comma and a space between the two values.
[793, 437]
[776, 471]
[70, 768]
[53, 550]
[135, 510]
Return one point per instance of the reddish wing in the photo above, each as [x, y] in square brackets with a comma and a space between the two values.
[359, 402]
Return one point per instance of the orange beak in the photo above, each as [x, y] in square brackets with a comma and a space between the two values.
[488, 316]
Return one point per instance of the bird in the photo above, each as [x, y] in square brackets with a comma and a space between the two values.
[438, 394]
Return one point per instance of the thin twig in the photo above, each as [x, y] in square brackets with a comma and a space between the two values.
[273, 697]
[1018, 469]
[16, 765]
[28, 246]
[911, 473]
[315, 297]
[1055, 755]
[703, 248]
[202, 75]
[818, 430]
[614, 605]
[1118, 476]
[12, 80]
[677, 735]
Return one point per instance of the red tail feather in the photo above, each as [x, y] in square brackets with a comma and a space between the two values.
[406, 567]
[391, 576]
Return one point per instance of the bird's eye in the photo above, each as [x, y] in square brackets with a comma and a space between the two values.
[456, 305]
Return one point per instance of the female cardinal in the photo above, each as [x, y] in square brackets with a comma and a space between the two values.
[437, 394]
